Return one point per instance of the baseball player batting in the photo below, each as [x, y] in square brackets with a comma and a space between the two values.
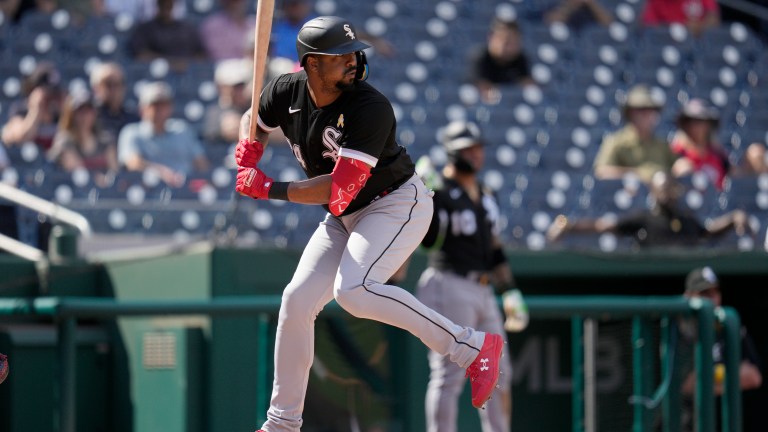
[342, 132]
[465, 257]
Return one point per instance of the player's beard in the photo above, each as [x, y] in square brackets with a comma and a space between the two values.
[344, 85]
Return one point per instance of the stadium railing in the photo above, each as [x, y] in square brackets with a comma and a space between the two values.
[581, 310]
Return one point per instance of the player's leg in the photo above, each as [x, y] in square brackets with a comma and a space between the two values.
[441, 403]
[304, 297]
[455, 298]
[497, 415]
[382, 236]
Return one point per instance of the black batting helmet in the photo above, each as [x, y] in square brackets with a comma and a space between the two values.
[457, 136]
[331, 35]
[460, 134]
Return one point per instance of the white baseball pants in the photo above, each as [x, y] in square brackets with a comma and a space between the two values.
[349, 259]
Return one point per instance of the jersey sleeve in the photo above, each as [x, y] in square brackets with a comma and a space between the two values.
[367, 132]
[270, 104]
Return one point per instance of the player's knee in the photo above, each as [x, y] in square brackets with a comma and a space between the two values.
[349, 298]
[295, 304]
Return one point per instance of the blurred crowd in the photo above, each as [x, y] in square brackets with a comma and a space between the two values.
[113, 124]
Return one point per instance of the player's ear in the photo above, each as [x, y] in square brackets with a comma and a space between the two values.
[311, 63]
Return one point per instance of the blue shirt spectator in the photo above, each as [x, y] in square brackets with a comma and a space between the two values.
[158, 142]
[176, 148]
[286, 27]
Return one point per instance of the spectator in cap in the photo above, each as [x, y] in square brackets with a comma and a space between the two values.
[222, 119]
[159, 142]
[635, 149]
[695, 142]
[34, 118]
[500, 61]
[108, 87]
[225, 33]
[703, 283]
[80, 142]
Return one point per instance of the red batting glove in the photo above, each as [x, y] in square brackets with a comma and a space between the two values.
[248, 153]
[253, 183]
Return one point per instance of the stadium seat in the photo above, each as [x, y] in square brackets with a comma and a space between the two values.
[749, 193]
[616, 196]
[557, 35]
[734, 34]
[617, 34]
[36, 22]
[658, 75]
[667, 35]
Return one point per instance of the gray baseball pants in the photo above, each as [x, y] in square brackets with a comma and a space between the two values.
[472, 304]
[350, 258]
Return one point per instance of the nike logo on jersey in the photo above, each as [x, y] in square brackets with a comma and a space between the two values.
[293, 111]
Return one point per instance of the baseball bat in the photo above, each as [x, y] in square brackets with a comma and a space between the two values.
[262, 32]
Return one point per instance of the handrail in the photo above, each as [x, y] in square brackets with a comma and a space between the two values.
[46, 207]
[545, 307]
[21, 249]
[67, 310]
[731, 401]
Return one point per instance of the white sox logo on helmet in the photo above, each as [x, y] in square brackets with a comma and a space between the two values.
[350, 33]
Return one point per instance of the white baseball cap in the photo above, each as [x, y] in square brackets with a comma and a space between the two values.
[233, 72]
[155, 92]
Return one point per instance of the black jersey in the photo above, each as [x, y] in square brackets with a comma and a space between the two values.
[461, 233]
[360, 125]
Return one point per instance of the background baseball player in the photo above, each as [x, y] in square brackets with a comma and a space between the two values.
[465, 258]
[342, 131]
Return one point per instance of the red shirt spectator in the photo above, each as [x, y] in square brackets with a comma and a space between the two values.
[695, 143]
[711, 161]
[697, 15]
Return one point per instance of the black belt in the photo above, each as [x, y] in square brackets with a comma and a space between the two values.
[476, 276]
[482, 278]
[391, 189]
